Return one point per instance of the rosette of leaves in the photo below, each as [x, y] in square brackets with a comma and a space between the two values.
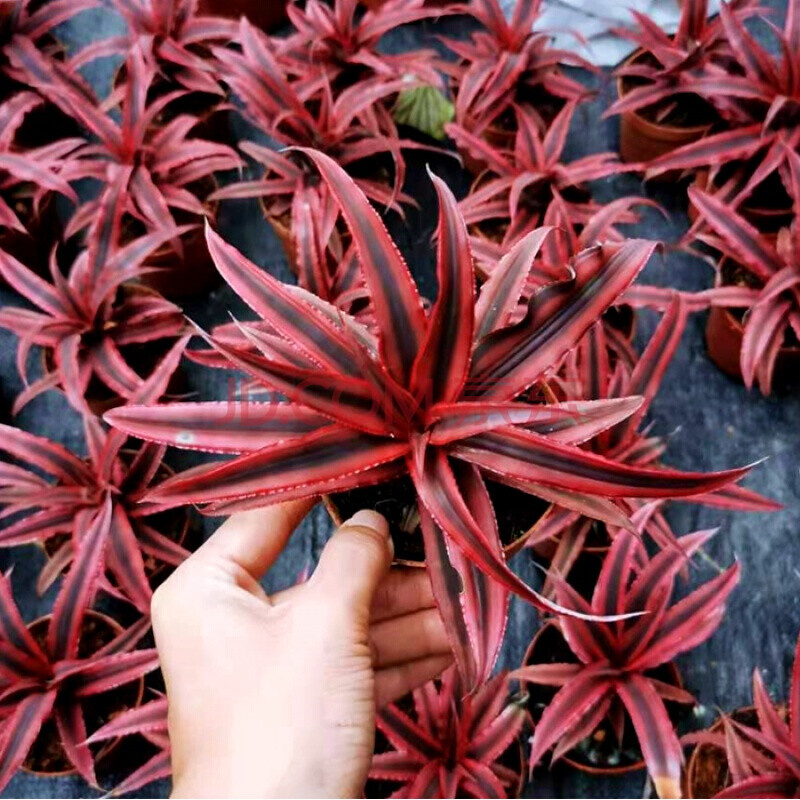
[613, 674]
[48, 495]
[430, 395]
[51, 680]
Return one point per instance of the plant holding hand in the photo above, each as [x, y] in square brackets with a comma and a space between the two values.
[430, 396]
[276, 696]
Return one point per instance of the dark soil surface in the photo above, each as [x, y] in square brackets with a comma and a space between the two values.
[516, 512]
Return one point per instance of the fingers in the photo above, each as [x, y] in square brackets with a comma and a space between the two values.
[393, 683]
[402, 592]
[254, 539]
[408, 638]
[355, 561]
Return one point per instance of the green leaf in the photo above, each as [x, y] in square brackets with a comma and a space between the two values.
[425, 108]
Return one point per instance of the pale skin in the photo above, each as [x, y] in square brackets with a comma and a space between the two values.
[276, 696]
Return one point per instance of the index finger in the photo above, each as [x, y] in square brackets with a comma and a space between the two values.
[254, 539]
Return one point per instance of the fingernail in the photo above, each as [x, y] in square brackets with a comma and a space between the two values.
[367, 518]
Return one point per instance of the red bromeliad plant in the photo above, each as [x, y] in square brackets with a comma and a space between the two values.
[769, 290]
[457, 743]
[613, 675]
[35, 20]
[604, 366]
[28, 174]
[148, 171]
[330, 275]
[149, 721]
[761, 107]
[665, 68]
[52, 681]
[763, 762]
[427, 395]
[571, 235]
[343, 44]
[507, 64]
[86, 321]
[453, 744]
[72, 497]
[180, 38]
[520, 186]
[351, 129]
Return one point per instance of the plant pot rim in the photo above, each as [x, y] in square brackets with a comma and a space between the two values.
[745, 208]
[109, 746]
[691, 765]
[658, 130]
[738, 325]
[509, 550]
[519, 786]
[574, 763]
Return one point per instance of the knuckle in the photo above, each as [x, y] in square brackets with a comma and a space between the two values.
[165, 597]
[432, 627]
[160, 603]
[362, 540]
[384, 596]
[375, 652]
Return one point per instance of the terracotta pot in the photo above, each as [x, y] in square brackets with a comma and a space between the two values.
[283, 230]
[766, 219]
[724, 335]
[113, 628]
[673, 677]
[264, 14]
[716, 778]
[510, 550]
[642, 140]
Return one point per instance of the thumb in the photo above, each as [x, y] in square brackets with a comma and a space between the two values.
[355, 561]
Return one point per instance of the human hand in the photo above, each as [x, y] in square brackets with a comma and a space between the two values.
[276, 696]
